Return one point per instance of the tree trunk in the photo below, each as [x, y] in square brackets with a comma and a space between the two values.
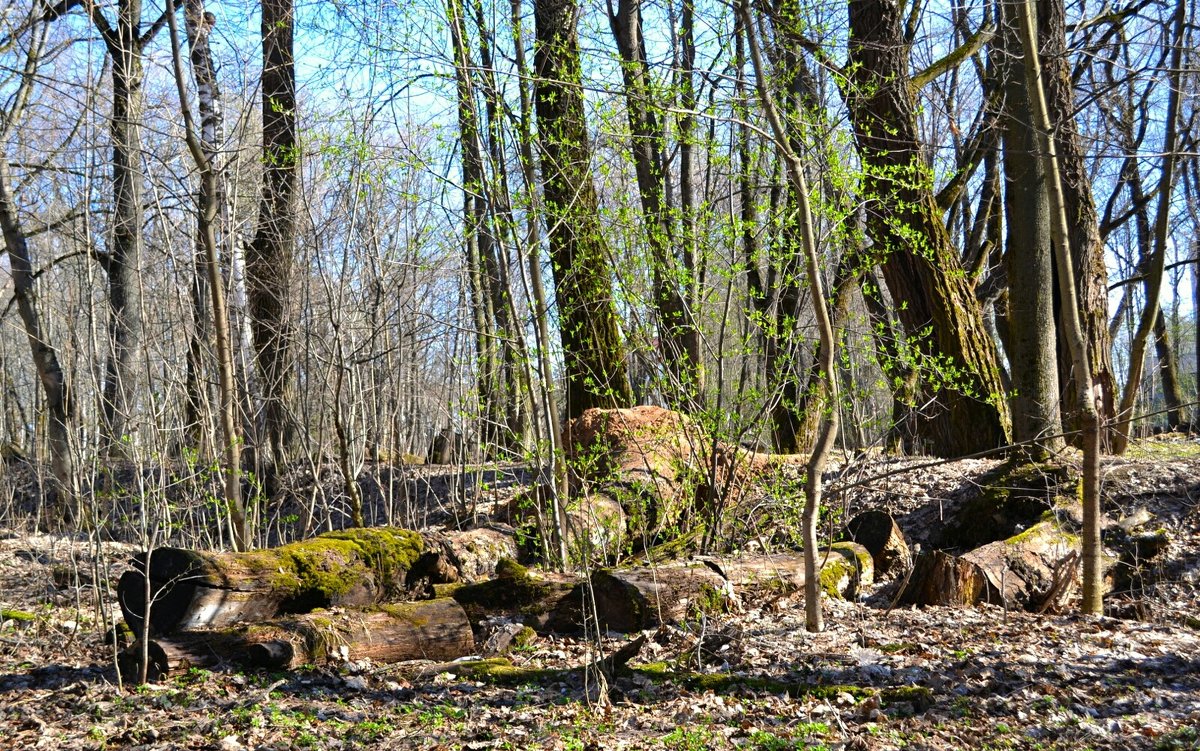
[920, 266]
[1086, 245]
[60, 410]
[1028, 259]
[425, 630]
[269, 258]
[595, 358]
[124, 260]
[677, 329]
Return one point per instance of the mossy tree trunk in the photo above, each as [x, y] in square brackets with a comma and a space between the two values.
[594, 355]
[921, 268]
[191, 589]
[673, 282]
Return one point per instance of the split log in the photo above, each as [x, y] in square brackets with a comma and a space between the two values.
[190, 589]
[464, 556]
[1031, 570]
[878, 532]
[427, 630]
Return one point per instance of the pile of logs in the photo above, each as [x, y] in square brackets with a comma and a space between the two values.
[391, 595]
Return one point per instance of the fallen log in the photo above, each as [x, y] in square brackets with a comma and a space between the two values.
[844, 569]
[1031, 570]
[425, 630]
[878, 532]
[624, 599]
[189, 589]
[464, 556]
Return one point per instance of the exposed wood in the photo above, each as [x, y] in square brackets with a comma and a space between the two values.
[878, 532]
[427, 630]
[464, 556]
[632, 599]
[193, 589]
[1025, 571]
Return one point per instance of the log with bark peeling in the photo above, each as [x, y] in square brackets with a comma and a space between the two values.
[190, 589]
[1030, 570]
[425, 630]
[624, 599]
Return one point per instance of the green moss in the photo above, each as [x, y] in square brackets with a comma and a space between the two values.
[507, 568]
[718, 682]
[920, 697]
[501, 672]
[407, 612]
[899, 648]
[330, 565]
[8, 614]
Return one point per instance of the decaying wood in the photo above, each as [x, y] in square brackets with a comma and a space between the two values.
[878, 532]
[426, 630]
[464, 556]
[191, 589]
[632, 599]
[1027, 570]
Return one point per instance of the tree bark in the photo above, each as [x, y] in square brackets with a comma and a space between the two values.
[920, 267]
[1028, 259]
[425, 630]
[270, 256]
[594, 355]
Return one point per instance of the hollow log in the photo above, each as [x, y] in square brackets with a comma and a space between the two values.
[878, 532]
[1031, 570]
[426, 630]
[191, 589]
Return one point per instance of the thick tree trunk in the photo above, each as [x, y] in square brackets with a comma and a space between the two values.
[270, 257]
[1028, 258]
[919, 264]
[595, 358]
[425, 630]
[191, 589]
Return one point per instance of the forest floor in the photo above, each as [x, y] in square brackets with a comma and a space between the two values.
[987, 678]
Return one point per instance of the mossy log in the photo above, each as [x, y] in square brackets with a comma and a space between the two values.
[878, 532]
[426, 630]
[846, 568]
[191, 589]
[535, 598]
[1031, 570]
[1012, 498]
